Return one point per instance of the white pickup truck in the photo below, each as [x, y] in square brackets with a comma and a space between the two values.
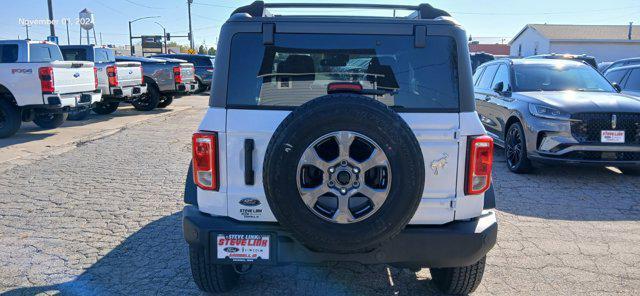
[37, 85]
[118, 81]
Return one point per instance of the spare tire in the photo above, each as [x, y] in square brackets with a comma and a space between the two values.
[344, 173]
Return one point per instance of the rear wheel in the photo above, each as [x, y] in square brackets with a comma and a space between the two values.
[10, 120]
[459, 280]
[49, 120]
[165, 101]
[148, 101]
[211, 278]
[199, 86]
[77, 115]
[105, 108]
[516, 150]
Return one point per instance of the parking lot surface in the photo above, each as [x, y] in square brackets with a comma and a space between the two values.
[103, 217]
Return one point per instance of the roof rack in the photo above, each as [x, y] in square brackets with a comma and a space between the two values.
[422, 11]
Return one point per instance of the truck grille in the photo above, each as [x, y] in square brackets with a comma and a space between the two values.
[589, 126]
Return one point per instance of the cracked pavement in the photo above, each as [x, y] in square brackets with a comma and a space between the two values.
[104, 218]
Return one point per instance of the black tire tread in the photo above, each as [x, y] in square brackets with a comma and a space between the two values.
[13, 117]
[105, 108]
[211, 278]
[166, 102]
[57, 121]
[153, 95]
[459, 280]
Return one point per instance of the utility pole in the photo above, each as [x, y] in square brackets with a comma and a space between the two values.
[51, 26]
[66, 21]
[27, 28]
[190, 30]
[131, 49]
[101, 39]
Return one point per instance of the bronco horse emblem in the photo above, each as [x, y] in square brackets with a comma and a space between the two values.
[438, 164]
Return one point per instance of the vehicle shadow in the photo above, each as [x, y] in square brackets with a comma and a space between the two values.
[154, 261]
[30, 132]
[566, 192]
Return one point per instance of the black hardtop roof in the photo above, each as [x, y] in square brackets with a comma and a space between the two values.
[259, 9]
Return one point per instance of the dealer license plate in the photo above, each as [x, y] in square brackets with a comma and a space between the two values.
[243, 247]
[612, 137]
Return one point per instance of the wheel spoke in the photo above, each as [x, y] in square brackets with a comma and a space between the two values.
[376, 158]
[311, 157]
[343, 213]
[344, 139]
[310, 195]
[377, 196]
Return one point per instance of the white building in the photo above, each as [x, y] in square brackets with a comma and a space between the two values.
[604, 42]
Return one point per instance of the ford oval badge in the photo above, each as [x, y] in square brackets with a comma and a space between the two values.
[76, 75]
[250, 202]
[231, 249]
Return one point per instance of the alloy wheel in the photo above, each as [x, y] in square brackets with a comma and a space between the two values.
[344, 177]
[514, 147]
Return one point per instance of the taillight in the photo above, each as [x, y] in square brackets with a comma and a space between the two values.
[177, 74]
[46, 80]
[479, 165]
[95, 77]
[141, 75]
[210, 70]
[205, 160]
[112, 75]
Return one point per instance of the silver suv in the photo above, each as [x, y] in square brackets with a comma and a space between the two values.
[560, 111]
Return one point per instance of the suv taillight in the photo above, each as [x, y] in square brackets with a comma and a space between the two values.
[205, 160]
[141, 75]
[479, 164]
[95, 77]
[177, 74]
[112, 75]
[46, 80]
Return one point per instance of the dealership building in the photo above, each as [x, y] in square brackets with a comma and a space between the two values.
[604, 42]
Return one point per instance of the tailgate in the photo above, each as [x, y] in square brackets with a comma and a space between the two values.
[188, 72]
[73, 77]
[129, 73]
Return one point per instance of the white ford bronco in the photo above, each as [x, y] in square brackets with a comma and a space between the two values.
[333, 138]
[36, 84]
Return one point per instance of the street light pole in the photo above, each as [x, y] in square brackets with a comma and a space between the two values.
[27, 27]
[190, 30]
[133, 50]
[164, 36]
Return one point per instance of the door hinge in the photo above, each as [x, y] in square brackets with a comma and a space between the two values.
[453, 204]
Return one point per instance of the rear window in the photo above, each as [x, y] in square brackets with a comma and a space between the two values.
[40, 53]
[103, 55]
[8, 53]
[74, 54]
[299, 68]
[616, 76]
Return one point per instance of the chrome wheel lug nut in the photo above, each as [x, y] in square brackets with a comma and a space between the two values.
[356, 170]
[343, 190]
[332, 170]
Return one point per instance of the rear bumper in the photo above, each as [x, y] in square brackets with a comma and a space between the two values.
[455, 244]
[67, 101]
[593, 154]
[126, 92]
[186, 87]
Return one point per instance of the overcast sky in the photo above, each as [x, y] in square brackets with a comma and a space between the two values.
[496, 19]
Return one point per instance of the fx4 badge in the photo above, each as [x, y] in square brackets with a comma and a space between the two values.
[438, 164]
[250, 202]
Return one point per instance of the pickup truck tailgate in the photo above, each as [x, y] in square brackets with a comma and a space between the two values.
[187, 70]
[73, 77]
[129, 73]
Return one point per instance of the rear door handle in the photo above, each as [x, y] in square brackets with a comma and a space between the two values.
[249, 174]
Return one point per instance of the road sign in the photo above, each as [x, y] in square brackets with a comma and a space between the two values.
[191, 51]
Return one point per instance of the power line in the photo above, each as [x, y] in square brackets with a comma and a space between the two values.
[144, 5]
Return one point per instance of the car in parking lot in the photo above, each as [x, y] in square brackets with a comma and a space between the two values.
[37, 85]
[557, 111]
[165, 81]
[118, 81]
[341, 139]
[574, 57]
[627, 78]
[622, 63]
[204, 65]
